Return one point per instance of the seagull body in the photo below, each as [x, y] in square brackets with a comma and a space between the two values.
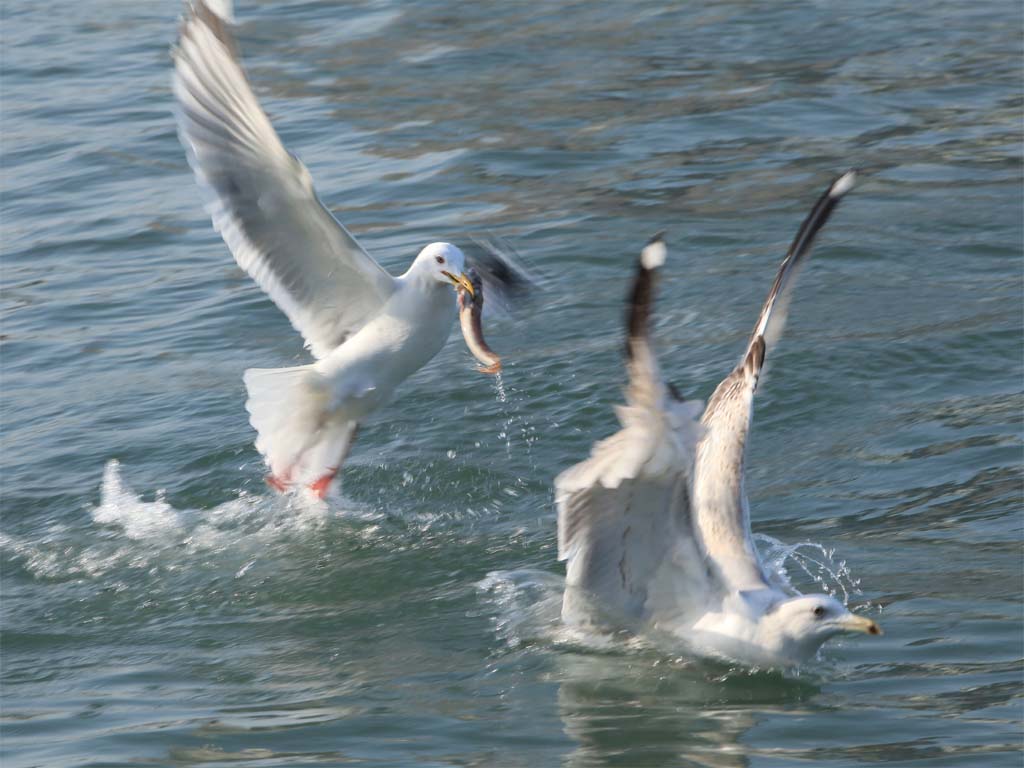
[410, 329]
[655, 525]
[368, 331]
[307, 416]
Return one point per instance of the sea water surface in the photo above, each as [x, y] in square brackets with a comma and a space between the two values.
[160, 606]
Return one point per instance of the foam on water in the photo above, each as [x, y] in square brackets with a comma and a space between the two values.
[126, 531]
[138, 519]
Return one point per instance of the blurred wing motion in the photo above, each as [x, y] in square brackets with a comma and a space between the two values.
[262, 199]
[720, 502]
[624, 522]
[508, 283]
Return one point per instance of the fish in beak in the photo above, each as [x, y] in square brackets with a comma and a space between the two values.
[471, 305]
[461, 282]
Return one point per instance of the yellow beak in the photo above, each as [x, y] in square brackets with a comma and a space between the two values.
[861, 624]
[460, 282]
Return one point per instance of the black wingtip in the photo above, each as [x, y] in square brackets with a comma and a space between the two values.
[657, 237]
[820, 213]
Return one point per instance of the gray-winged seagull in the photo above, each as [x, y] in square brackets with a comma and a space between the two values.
[655, 526]
[367, 330]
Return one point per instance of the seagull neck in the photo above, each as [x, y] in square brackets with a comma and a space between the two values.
[416, 289]
[420, 279]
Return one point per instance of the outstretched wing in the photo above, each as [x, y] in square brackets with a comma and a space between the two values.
[723, 517]
[624, 523]
[262, 199]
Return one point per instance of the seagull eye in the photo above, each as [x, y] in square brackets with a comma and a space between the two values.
[819, 611]
[439, 259]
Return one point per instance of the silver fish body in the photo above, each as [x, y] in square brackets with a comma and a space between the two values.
[471, 308]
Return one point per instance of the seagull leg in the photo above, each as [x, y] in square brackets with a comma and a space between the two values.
[276, 484]
[322, 485]
[279, 484]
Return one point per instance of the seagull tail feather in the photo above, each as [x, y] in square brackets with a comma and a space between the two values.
[301, 440]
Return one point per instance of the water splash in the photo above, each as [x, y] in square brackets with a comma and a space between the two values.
[527, 603]
[499, 388]
[127, 532]
[507, 413]
[514, 420]
[807, 560]
[527, 607]
[138, 519]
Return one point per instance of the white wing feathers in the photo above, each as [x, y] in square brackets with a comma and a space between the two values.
[624, 514]
[719, 497]
[262, 199]
[659, 431]
[654, 526]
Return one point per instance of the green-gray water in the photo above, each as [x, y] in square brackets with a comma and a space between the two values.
[178, 613]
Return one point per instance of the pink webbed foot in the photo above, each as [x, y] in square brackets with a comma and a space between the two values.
[279, 485]
[323, 485]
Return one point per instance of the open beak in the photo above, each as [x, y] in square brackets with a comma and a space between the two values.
[863, 624]
[460, 282]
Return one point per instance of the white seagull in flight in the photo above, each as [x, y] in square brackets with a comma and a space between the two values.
[368, 331]
[655, 525]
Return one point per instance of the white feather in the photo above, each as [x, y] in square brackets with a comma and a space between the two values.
[261, 199]
[843, 184]
[653, 255]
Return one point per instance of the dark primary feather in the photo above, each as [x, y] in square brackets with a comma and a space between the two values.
[773, 313]
[640, 303]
